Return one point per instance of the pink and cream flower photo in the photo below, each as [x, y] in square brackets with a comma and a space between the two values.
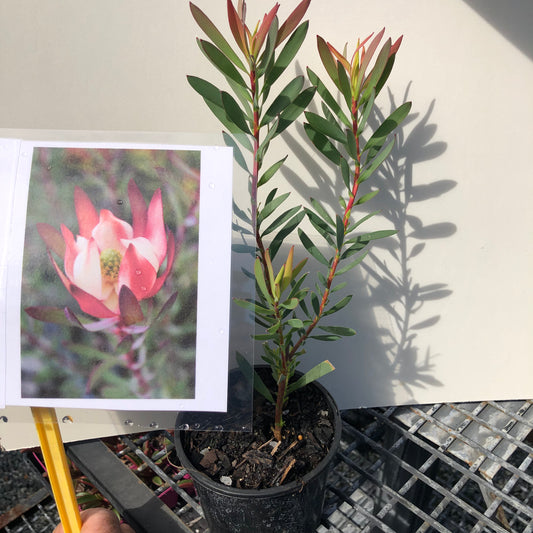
[109, 282]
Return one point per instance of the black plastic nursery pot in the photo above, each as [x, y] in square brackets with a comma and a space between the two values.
[292, 508]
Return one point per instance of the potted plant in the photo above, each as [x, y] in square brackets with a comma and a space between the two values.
[288, 312]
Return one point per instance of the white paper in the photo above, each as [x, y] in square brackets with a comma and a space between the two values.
[199, 272]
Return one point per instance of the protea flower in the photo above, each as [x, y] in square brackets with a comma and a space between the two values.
[111, 265]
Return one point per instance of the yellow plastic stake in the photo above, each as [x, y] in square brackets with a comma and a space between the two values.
[57, 467]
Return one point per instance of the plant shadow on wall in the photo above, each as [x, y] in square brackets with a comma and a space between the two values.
[109, 277]
[390, 306]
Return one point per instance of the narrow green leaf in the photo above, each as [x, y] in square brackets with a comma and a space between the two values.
[328, 128]
[315, 303]
[367, 108]
[287, 215]
[361, 221]
[381, 234]
[315, 373]
[267, 56]
[319, 208]
[270, 172]
[295, 109]
[376, 162]
[320, 224]
[220, 61]
[386, 74]
[325, 337]
[234, 112]
[295, 323]
[351, 265]
[379, 66]
[328, 98]
[330, 64]
[346, 173]
[290, 304]
[283, 100]
[338, 330]
[351, 144]
[339, 305]
[283, 233]
[272, 132]
[344, 85]
[339, 232]
[323, 144]
[260, 280]
[271, 206]
[311, 248]
[388, 126]
[287, 54]
[214, 34]
[366, 197]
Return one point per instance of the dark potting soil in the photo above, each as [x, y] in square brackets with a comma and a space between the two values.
[255, 460]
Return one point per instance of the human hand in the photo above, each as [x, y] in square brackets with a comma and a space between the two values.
[99, 521]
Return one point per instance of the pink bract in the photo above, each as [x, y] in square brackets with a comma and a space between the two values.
[108, 253]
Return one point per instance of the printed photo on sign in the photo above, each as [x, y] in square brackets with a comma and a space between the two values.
[109, 307]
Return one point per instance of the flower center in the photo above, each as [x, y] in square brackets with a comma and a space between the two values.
[110, 264]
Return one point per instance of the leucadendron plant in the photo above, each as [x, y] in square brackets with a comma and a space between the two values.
[253, 112]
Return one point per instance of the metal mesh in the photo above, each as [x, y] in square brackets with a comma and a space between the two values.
[443, 467]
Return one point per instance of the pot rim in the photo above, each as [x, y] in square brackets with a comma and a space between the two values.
[270, 491]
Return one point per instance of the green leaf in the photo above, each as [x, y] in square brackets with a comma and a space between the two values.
[338, 306]
[379, 66]
[353, 264]
[376, 162]
[295, 323]
[267, 56]
[372, 236]
[338, 330]
[260, 280]
[361, 221]
[339, 232]
[344, 85]
[271, 206]
[330, 64]
[325, 337]
[388, 126]
[386, 73]
[234, 112]
[366, 197]
[328, 98]
[311, 248]
[295, 109]
[321, 125]
[272, 132]
[315, 373]
[221, 61]
[214, 34]
[315, 303]
[290, 304]
[213, 98]
[287, 54]
[319, 208]
[92, 353]
[351, 144]
[323, 144]
[367, 107]
[346, 173]
[287, 215]
[283, 100]
[270, 172]
[277, 241]
[320, 225]
[53, 315]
